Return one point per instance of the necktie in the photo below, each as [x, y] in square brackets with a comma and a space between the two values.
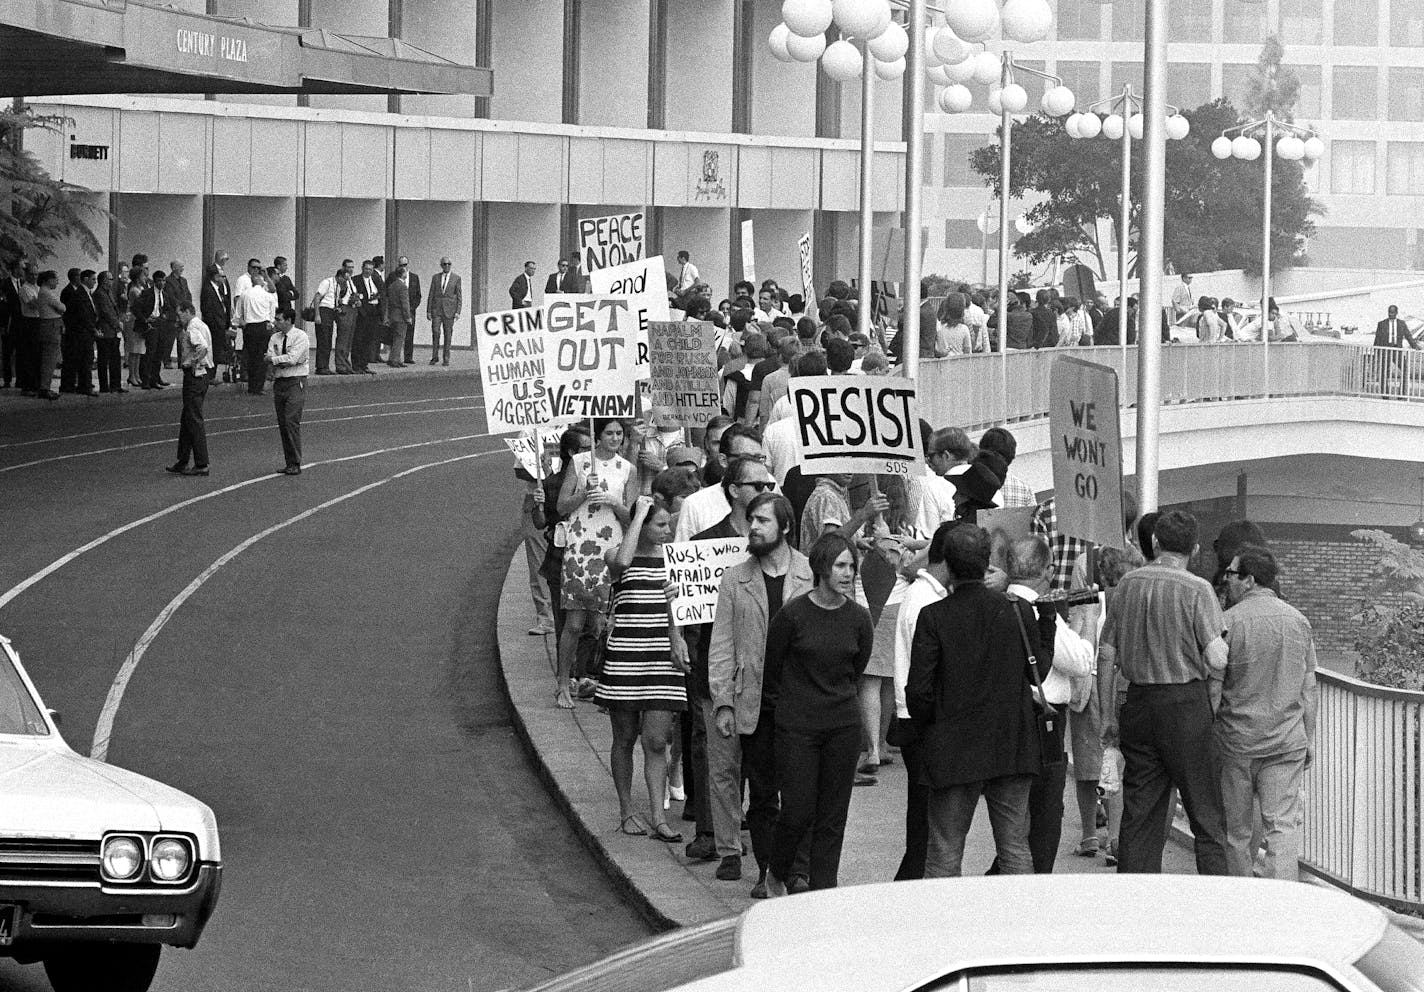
[157, 301]
[444, 281]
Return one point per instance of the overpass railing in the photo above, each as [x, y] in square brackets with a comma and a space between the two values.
[973, 391]
[1364, 804]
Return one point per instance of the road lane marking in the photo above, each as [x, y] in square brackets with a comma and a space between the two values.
[168, 424]
[103, 730]
[60, 562]
[235, 430]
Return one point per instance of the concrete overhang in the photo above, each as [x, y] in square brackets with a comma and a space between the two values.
[55, 47]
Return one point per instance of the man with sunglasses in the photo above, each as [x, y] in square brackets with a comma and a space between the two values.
[706, 507]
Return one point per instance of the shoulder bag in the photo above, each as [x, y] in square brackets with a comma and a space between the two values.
[1045, 714]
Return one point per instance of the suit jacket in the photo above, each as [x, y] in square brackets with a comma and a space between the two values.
[522, 287]
[415, 295]
[398, 306]
[215, 307]
[9, 304]
[286, 292]
[1383, 335]
[969, 687]
[551, 284]
[443, 301]
[110, 323]
[175, 292]
[736, 659]
[1045, 327]
[81, 314]
[372, 301]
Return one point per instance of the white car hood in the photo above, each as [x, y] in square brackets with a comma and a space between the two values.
[50, 791]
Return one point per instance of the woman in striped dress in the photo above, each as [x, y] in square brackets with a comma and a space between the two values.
[642, 684]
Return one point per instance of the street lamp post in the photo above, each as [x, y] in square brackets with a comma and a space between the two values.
[1124, 123]
[1296, 142]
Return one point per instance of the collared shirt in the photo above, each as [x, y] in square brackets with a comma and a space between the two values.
[701, 510]
[1015, 492]
[779, 442]
[925, 590]
[688, 277]
[326, 293]
[1160, 620]
[936, 502]
[1072, 654]
[157, 300]
[1182, 298]
[1270, 677]
[288, 354]
[773, 387]
[828, 506]
[242, 285]
[1065, 549]
[255, 306]
[197, 346]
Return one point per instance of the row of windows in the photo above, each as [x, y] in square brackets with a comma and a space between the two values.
[1352, 164]
[1301, 22]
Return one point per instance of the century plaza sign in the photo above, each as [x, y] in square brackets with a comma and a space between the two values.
[207, 45]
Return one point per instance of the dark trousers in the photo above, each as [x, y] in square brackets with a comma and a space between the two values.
[25, 331]
[77, 355]
[192, 431]
[917, 814]
[254, 353]
[408, 353]
[1166, 742]
[345, 339]
[9, 340]
[368, 337]
[441, 329]
[764, 798]
[816, 771]
[152, 363]
[111, 365]
[700, 793]
[289, 396]
[326, 321]
[1045, 817]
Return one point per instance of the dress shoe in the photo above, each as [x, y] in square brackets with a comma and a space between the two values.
[775, 887]
[368, 371]
[49, 394]
[435, 361]
[92, 392]
[396, 365]
[730, 870]
[177, 468]
[759, 889]
[325, 372]
[28, 392]
[195, 470]
[160, 384]
[121, 389]
[446, 363]
[702, 848]
[797, 885]
[292, 470]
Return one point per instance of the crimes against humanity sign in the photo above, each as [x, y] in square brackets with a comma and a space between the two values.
[695, 568]
[511, 346]
[592, 354]
[1086, 435]
[609, 241]
[855, 424]
[683, 357]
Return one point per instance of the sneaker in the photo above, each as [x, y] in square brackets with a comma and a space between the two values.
[702, 848]
[730, 870]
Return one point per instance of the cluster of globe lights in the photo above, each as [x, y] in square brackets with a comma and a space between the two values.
[1289, 147]
[950, 59]
[1113, 126]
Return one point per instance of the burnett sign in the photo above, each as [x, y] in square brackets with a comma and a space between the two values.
[208, 45]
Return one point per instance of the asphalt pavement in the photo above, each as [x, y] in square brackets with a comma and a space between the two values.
[315, 658]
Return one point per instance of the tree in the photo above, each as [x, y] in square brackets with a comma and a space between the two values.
[1213, 209]
[1272, 87]
[43, 211]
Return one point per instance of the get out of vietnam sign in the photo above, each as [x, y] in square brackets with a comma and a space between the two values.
[1086, 436]
[854, 424]
[592, 353]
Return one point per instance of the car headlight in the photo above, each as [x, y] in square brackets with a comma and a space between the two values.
[122, 858]
[169, 860]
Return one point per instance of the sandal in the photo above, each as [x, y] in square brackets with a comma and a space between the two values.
[637, 830]
[666, 834]
[1087, 848]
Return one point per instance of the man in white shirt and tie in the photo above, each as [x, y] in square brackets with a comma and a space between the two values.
[287, 354]
[688, 275]
[254, 310]
[195, 353]
[1391, 333]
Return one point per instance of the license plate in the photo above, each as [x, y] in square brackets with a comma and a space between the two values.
[9, 921]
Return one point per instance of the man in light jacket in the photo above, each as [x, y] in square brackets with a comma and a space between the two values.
[442, 306]
[750, 595]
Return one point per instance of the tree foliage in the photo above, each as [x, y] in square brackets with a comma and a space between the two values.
[1272, 87]
[1213, 214]
[42, 211]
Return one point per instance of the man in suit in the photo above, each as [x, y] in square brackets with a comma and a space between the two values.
[1392, 333]
[175, 294]
[11, 327]
[215, 307]
[442, 308]
[81, 320]
[555, 282]
[371, 291]
[148, 320]
[969, 693]
[399, 313]
[413, 283]
[575, 280]
[749, 595]
[521, 291]
[286, 291]
[383, 332]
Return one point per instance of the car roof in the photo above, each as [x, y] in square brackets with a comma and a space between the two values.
[896, 936]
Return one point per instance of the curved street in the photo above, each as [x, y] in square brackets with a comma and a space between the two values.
[314, 657]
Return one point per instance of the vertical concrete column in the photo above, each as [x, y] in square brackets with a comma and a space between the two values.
[613, 64]
[337, 229]
[527, 56]
[706, 234]
[517, 232]
[783, 97]
[775, 234]
[361, 17]
[428, 230]
[450, 29]
[255, 227]
[697, 88]
[163, 227]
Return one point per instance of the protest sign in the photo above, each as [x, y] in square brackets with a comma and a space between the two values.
[1086, 437]
[748, 253]
[592, 353]
[526, 452]
[511, 347]
[609, 241]
[808, 283]
[854, 423]
[683, 360]
[696, 568]
[645, 280]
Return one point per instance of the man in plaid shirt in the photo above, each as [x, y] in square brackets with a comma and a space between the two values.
[1065, 549]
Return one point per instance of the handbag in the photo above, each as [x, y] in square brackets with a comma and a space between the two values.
[599, 654]
[1046, 715]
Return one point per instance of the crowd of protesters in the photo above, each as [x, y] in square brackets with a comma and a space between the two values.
[109, 332]
[875, 620]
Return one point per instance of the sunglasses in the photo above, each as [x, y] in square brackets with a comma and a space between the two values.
[760, 487]
[1232, 571]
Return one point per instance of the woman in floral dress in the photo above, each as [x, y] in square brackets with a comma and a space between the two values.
[595, 499]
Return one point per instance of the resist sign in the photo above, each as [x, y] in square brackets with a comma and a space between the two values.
[1087, 451]
[609, 241]
[696, 568]
[592, 354]
[855, 424]
[511, 344]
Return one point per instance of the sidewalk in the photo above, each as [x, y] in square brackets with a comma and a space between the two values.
[462, 360]
[571, 751]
